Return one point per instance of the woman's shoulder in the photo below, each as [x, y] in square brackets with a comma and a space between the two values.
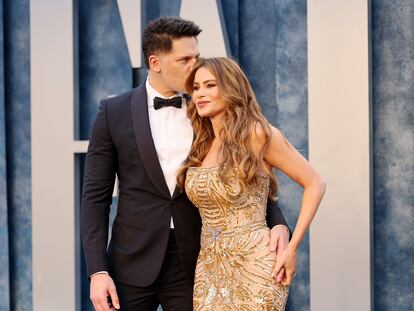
[257, 132]
[260, 133]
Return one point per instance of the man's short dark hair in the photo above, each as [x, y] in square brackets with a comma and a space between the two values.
[159, 33]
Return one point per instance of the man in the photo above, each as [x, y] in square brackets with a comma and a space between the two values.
[143, 138]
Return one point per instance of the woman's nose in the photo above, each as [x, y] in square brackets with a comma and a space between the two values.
[198, 94]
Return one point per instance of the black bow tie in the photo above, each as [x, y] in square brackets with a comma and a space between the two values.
[171, 102]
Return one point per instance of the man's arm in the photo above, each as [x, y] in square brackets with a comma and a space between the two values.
[98, 183]
[280, 234]
[274, 217]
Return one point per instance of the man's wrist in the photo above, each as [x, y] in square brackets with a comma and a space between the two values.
[99, 272]
[284, 226]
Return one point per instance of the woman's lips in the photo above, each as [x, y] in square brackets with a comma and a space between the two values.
[201, 104]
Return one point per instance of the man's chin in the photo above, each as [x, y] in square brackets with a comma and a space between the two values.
[181, 90]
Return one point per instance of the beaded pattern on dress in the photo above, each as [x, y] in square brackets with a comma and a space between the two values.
[234, 265]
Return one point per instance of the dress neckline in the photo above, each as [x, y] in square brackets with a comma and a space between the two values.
[216, 167]
[204, 168]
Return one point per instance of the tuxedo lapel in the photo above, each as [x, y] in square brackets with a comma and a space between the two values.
[145, 143]
[177, 192]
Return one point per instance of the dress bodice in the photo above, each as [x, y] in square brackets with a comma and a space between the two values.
[226, 205]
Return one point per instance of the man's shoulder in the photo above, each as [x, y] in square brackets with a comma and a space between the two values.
[120, 103]
[118, 99]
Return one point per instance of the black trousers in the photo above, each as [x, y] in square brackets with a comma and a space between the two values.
[171, 289]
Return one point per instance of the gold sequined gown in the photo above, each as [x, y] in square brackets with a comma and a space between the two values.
[234, 265]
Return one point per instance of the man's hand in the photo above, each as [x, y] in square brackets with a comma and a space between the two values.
[103, 286]
[279, 239]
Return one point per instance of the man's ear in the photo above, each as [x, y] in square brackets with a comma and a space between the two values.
[154, 63]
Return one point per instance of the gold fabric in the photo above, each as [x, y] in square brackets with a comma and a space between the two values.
[234, 265]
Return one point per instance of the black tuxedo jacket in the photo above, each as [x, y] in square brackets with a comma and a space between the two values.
[121, 144]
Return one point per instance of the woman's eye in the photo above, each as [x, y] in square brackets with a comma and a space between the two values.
[210, 85]
[195, 88]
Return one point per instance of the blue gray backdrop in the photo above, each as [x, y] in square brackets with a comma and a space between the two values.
[269, 39]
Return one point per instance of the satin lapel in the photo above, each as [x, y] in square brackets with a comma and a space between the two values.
[145, 143]
[177, 192]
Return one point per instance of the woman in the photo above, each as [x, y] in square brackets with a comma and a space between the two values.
[228, 176]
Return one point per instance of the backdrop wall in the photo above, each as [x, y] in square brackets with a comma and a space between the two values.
[269, 38]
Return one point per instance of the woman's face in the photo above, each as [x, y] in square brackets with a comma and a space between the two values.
[206, 95]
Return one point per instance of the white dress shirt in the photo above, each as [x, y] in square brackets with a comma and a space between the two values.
[172, 135]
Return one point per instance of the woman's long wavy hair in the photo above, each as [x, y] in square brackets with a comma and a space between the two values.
[241, 116]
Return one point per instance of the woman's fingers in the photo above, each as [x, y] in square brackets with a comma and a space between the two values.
[277, 268]
[280, 276]
[289, 275]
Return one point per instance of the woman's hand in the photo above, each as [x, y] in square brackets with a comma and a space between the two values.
[287, 261]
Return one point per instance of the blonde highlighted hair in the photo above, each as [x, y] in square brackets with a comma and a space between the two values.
[242, 115]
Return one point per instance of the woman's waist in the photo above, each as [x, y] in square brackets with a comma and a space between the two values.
[224, 230]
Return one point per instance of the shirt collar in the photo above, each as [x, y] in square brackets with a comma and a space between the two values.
[152, 93]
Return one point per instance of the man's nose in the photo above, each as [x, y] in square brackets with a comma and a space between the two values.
[192, 62]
